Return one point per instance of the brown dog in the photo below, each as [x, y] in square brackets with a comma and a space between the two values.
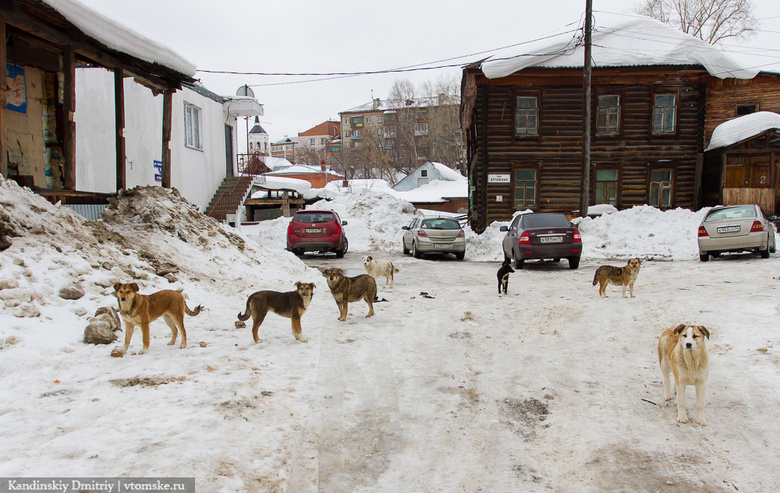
[682, 350]
[291, 305]
[140, 309]
[346, 289]
[620, 276]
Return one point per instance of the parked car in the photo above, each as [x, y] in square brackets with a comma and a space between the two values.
[440, 235]
[736, 228]
[542, 235]
[317, 231]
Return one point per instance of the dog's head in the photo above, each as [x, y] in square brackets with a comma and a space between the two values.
[633, 264]
[305, 289]
[506, 267]
[125, 293]
[333, 274]
[367, 259]
[692, 336]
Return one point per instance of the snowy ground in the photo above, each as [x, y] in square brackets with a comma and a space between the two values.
[546, 389]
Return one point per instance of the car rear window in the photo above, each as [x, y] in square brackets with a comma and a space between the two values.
[731, 213]
[314, 217]
[546, 221]
[440, 224]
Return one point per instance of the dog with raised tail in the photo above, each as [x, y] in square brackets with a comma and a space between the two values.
[503, 276]
[380, 268]
[682, 350]
[621, 276]
[292, 305]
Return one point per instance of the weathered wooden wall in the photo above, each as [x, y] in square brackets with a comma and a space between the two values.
[724, 95]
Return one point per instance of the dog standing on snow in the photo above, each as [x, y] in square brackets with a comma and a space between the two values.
[377, 269]
[620, 276]
[682, 350]
[503, 276]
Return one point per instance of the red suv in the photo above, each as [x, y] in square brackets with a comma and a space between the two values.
[317, 231]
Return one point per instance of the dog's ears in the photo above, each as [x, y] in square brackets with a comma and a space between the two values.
[313, 285]
[135, 287]
[679, 329]
[116, 286]
[704, 331]
[298, 284]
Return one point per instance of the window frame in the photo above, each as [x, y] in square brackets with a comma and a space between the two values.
[515, 112]
[193, 138]
[650, 183]
[513, 183]
[619, 124]
[661, 91]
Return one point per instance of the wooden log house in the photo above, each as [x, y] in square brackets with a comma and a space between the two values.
[523, 124]
[43, 46]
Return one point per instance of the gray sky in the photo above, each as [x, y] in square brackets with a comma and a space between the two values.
[317, 36]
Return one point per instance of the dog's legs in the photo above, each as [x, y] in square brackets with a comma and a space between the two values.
[624, 291]
[666, 369]
[296, 327]
[631, 289]
[257, 319]
[174, 329]
[602, 289]
[129, 328]
[145, 334]
[370, 302]
[342, 310]
[682, 412]
[700, 404]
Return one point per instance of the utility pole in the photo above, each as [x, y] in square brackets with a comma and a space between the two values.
[586, 114]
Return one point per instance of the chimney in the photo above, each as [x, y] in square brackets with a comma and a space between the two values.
[322, 165]
[377, 102]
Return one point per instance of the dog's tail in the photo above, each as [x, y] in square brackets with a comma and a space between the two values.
[193, 313]
[245, 316]
[395, 269]
[596, 277]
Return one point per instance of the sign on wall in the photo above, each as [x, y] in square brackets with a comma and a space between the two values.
[499, 178]
[158, 169]
[16, 95]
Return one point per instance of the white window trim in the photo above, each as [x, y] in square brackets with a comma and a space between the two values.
[193, 137]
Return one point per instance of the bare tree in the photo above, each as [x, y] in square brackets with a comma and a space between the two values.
[710, 20]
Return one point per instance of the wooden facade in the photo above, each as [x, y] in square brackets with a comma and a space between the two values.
[630, 155]
[42, 48]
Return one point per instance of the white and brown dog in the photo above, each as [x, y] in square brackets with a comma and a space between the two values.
[377, 269]
[682, 350]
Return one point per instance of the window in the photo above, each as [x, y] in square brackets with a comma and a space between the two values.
[368, 119]
[661, 188]
[323, 140]
[420, 129]
[526, 116]
[664, 113]
[525, 188]
[379, 119]
[356, 144]
[608, 115]
[746, 109]
[192, 126]
[356, 121]
[606, 186]
[312, 141]
[346, 121]
[424, 173]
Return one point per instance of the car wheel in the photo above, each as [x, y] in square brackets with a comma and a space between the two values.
[704, 257]
[460, 255]
[298, 252]
[405, 250]
[574, 262]
[518, 262]
[764, 253]
[341, 251]
[415, 252]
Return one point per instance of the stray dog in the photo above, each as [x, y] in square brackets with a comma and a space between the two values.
[620, 276]
[377, 269]
[503, 275]
[291, 305]
[346, 289]
[683, 351]
[141, 309]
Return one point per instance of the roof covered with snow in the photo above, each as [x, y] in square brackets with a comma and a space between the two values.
[119, 37]
[742, 128]
[619, 41]
[281, 183]
[297, 169]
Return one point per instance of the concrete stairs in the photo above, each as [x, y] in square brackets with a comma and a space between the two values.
[229, 196]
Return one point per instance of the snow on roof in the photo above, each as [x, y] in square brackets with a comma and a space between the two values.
[119, 37]
[275, 162]
[448, 173]
[742, 128]
[282, 183]
[297, 169]
[620, 41]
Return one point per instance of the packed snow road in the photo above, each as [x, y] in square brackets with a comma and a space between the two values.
[546, 388]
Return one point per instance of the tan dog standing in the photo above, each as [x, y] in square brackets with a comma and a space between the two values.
[379, 268]
[140, 309]
[620, 276]
[347, 289]
[682, 350]
[292, 305]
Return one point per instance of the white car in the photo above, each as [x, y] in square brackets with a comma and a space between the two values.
[434, 235]
[736, 228]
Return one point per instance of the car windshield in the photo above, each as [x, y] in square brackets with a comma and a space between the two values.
[545, 221]
[730, 213]
[440, 224]
[313, 217]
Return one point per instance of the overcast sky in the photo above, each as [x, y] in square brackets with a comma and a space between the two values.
[317, 36]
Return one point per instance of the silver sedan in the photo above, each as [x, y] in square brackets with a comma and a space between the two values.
[434, 235]
[736, 228]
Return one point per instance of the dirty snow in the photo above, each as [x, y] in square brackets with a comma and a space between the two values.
[548, 388]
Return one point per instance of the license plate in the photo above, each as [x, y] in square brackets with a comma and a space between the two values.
[314, 230]
[729, 229]
[551, 239]
[441, 246]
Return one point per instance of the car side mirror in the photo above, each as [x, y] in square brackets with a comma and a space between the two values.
[773, 218]
[503, 228]
[405, 227]
[343, 223]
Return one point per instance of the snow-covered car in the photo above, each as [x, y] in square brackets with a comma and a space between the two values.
[736, 228]
[434, 235]
[317, 231]
[542, 235]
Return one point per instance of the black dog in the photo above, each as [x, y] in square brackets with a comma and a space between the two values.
[503, 276]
